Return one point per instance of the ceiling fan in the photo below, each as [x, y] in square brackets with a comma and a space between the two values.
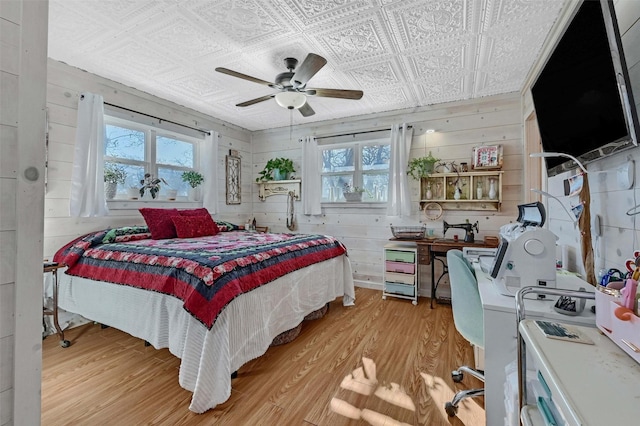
[293, 85]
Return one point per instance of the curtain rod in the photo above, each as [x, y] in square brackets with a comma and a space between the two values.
[358, 133]
[206, 132]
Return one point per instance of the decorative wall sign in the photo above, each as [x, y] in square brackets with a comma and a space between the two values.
[234, 195]
[487, 157]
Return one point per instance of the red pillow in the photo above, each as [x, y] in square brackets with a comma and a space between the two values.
[159, 222]
[194, 226]
[194, 212]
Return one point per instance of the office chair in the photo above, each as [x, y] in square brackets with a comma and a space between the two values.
[468, 319]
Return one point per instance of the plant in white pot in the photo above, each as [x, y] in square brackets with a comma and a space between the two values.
[151, 184]
[352, 193]
[194, 179]
[114, 174]
[276, 169]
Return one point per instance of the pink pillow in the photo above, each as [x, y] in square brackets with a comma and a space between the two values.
[194, 226]
[194, 212]
[159, 222]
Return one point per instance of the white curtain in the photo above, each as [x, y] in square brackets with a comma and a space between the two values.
[311, 184]
[87, 178]
[209, 166]
[399, 202]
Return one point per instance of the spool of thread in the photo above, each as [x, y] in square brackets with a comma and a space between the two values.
[565, 256]
[629, 294]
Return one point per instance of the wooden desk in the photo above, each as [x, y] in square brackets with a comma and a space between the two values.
[430, 250]
[437, 249]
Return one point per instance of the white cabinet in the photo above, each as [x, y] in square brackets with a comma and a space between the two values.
[595, 384]
[401, 271]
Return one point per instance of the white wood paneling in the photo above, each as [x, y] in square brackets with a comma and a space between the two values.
[64, 85]
[29, 202]
[459, 127]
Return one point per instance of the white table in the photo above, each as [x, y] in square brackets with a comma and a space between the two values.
[607, 395]
[500, 332]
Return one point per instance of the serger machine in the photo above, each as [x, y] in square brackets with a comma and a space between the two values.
[526, 254]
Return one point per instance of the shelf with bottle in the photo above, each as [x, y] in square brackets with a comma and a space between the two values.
[463, 190]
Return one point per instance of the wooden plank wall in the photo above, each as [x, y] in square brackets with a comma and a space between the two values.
[64, 86]
[23, 31]
[10, 21]
[459, 127]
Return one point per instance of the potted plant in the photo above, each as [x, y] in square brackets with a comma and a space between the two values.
[152, 184]
[352, 193]
[194, 179]
[276, 169]
[114, 174]
[421, 167]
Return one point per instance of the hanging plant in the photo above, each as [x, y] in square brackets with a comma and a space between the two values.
[422, 167]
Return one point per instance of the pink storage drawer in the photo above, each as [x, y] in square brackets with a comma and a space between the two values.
[405, 268]
[625, 332]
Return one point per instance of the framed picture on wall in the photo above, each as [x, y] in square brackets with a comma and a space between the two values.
[487, 157]
[233, 168]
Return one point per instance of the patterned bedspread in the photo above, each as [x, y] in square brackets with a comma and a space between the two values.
[206, 273]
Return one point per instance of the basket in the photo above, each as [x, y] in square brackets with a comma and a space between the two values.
[409, 232]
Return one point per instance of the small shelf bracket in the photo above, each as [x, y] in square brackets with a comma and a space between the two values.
[279, 187]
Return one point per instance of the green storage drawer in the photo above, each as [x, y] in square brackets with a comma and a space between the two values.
[403, 289]
[400, 256]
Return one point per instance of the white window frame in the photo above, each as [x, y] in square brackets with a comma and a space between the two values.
[151, 133]
[358, 172]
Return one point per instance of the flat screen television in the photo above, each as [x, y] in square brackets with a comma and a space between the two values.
[582, 96]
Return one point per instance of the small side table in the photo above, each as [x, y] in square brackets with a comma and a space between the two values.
[52, 267]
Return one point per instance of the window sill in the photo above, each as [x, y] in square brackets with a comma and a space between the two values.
[361, 204]
[137, 204]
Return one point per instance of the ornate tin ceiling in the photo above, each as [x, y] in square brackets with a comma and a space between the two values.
[401, 53]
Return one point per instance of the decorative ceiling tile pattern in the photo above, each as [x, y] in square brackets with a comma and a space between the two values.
[401, 53]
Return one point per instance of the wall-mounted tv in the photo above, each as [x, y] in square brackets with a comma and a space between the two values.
[582, 96]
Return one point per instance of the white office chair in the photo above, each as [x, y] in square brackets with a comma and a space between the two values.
[468, 318]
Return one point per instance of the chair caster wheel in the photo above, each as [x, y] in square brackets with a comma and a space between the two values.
[451, 409]
[384, 297]
[414, 303]
[65, 343]
[457, 376]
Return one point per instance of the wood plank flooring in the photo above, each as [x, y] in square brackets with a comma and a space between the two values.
[393, 355]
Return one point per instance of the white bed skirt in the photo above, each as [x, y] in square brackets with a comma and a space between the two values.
[243, 331]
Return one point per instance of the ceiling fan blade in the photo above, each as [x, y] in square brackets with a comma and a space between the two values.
[243, 76]
[311, 65]
[255, 101]
[306, 110]
[336, 93]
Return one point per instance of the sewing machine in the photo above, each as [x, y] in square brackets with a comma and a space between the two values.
[526, 255]
[469, 236]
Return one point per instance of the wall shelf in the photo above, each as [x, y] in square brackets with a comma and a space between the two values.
[441, 188]
[279, 187]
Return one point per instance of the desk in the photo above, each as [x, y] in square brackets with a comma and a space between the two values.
[500, 333]
[608, 394]
[437, 249]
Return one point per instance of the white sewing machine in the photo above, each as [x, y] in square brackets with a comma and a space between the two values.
[526, 254]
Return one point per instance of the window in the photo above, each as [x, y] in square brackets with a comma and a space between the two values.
[363, 165]
[140, 149]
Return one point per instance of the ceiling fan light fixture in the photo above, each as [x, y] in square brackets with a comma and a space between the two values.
[291, 100]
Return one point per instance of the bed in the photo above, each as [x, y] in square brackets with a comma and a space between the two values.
[215, 301]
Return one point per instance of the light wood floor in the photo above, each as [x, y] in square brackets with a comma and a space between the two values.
[107, 377]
